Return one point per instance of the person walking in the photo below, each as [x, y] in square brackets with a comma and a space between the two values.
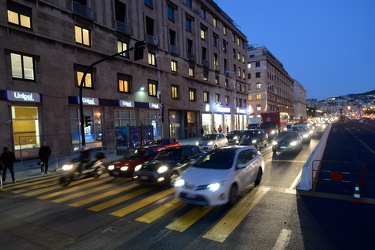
[202, 131]
[8, 158]
[44, 154]
[220, 129]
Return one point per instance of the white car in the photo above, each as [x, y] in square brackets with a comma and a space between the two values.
[304, 131]
[219, 176]
[212, 141]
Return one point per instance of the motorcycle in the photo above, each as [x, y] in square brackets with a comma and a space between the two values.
[74, 170]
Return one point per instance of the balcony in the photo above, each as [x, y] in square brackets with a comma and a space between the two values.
[217, 68]
[122, 27]
[205, 63]
[174, 50]
[191, 57]
[81, 10]
[151, 40]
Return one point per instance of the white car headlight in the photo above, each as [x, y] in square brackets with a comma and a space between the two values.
[138, 167]
[162, 169]
[235, 137]
[197, 143]
[210, 143]
[306, 135]
[179, 183]
[254, 141]
[274, 143]
[213, 187]
[293, 143]
[124, 168]
[273, 132]
[111, 167]
[67, 167]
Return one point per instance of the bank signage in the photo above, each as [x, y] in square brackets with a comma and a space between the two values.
[125, 103]
[89, 101]
[21, 96]
[154, 105]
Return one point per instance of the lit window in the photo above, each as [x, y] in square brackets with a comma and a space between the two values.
[192, 95]
[19, 14]
[258, 85]
[82, 36]
[151, 59]
[87, 83]
[22, 66]
[121, 46]
[191, 71]
[217, 80]
[217, 98]
[203, 33]
[206, 97]
[258, 96]
[224, 30]
[214, 22]
[152, 88]
[124, 83]
[174, 92]
[174, 66]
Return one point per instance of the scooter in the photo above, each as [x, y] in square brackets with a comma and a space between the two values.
[72, 170]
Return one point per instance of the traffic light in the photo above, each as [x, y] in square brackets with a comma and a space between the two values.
[87, 121]
[138, 50]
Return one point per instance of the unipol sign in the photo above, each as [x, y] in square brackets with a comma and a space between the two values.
[23, 96]
[89, 101]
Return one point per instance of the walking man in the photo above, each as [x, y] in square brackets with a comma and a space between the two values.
[44, 154]
[8, 158]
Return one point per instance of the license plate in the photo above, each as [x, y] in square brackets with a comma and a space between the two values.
[191, 196]
[143, 177]
[282, 146]
[116, 173]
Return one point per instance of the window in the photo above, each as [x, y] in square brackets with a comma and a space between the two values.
[170, 13]
[189, 46]
[226, 100]
[224, 30]
[120, 13]
[152, 88]
[26, 121]
[258, 85]
[217, 98]
[217, 80]
[121, 46]
[243, 74]
[174, 92]
[234, 53]
[257, 75]
[188, 24]
[243, 58]
[239, 56]
[258, 97]
[82, 36]
[149, 3]
[259, 107]
[87, 83]
[191, 71]
[203, 13]
[19, 14]
[216, 62]
[206, 98]
[214, 22]
[249, 76]
[124, 83]
[225, 44]
[215, 38]
[233, 37]
[192, 95]
[239, 71]
[174, 65]
[151, 59]
[238, 41]
[249, 65]
[22, 66]
[124, 118]
[257, 64]
[203, 33]
[172, 37]
[205, 75]
[189, 3]
[226, 83]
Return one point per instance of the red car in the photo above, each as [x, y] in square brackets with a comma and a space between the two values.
[166, 142]
[125, 167]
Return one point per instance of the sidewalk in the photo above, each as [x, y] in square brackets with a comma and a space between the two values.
[29, 169]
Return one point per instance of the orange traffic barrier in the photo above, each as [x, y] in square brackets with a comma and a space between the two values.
[357, 194]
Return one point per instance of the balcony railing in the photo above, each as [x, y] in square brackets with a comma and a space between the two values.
[122, 27]
[173, 49]
[205, 63]
[151, 40]
[81, 9]
[191, 57]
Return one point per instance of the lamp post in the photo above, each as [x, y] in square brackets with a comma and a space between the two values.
[161, 108]
[234, 125]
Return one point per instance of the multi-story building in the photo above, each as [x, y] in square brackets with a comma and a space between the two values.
[193, 73]
[300, 103]
[270, 86]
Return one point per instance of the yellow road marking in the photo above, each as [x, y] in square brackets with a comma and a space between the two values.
[45, 190]
[118, 200]
[232, 219]
[128, 209]
[32, 186]
[188, 219]
[69, 190]
[160, 211]
[102, 195]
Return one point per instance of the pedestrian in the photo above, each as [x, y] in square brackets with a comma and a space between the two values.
[8, 158]
[44, 154]
[220, 129]
[202, 131]
[214, 130]
[227, 129]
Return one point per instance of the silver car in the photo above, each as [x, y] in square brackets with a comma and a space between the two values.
[212, 141]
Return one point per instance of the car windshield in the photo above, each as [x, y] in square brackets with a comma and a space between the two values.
[268, 125]
[286, 136]
[209, 137]
[220, 159]
[233, 134]
[168, 155]
[135, 154]
[300, 129]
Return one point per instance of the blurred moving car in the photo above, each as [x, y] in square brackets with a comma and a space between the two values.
[212, 141]
[219, 176]
[166, 142]
[234, 136]
[287, 141]
[255, 137]
[125, 167]
[167, 165]
[303, 130]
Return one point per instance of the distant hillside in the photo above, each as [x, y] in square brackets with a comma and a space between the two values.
[372, 92]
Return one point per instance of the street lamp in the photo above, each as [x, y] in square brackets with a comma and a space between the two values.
[235, 96]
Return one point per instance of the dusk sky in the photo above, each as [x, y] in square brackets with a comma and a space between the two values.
[326, 45]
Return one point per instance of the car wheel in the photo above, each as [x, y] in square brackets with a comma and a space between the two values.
[215, 146]
[259, 177]
[173, 177]
[232, 194]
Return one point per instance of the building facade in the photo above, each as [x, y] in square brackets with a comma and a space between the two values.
[192, 74]
[300, 104]
[270, 86]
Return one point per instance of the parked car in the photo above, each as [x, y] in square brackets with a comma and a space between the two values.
[167, 165]
[255, 137]
[303, 130]
[234, 136]
[287, 141]
[166, 142]
[212, 141]
[125, 167]
[219, 176]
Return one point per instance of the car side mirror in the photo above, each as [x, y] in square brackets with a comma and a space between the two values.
[241, 165]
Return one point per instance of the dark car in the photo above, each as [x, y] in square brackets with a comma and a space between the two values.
[135, 156]
[166, 142]
[234, 137]
[287, 141]
[255, 137]
[167, 165]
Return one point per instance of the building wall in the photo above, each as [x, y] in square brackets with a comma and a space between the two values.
[300, 103]
[51, 43]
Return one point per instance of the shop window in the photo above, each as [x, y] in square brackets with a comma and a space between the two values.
[19, 15]
[25, 127]
[124, 118]
[93, 132]
[82, 36]
[22, 66]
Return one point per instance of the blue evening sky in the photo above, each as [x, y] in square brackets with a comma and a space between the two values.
[326, 45]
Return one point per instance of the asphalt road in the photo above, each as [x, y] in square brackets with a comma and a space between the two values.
[109, 213]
